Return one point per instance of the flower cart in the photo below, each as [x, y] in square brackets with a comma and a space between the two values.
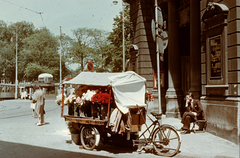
[105, 107]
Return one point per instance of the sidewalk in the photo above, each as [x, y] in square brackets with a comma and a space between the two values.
[200, 145]
[52, 137]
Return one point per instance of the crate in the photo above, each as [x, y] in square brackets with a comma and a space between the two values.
[138, 119]
[136, 128]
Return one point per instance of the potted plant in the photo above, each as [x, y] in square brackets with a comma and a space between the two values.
[101, 101]
[70, 102]
[86, 102]
[75, 133]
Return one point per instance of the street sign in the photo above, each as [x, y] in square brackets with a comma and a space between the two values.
[164, 36]
[160, 16]
[160, 45]
[153, 30]
[90, 66]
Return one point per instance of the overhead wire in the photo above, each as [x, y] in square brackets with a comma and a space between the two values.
[40, 13]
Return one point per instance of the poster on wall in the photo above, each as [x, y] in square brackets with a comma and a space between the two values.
[215, 56]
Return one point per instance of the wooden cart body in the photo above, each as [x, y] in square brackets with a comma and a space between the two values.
[108, 80]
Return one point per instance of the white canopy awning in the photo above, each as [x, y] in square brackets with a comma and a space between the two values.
[129, 90]
[128, 87]
[91, 79]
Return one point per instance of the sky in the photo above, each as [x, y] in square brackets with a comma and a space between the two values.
[69, 14]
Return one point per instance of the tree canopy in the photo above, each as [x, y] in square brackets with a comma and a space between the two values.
[116, 41]
[38, 50]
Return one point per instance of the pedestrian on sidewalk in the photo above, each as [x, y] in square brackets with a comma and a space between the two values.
[194, 112]
[39, 99]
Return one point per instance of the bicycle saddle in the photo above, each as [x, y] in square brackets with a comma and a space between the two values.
[158, 116]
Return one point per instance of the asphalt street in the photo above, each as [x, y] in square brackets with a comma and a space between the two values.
[20, 138]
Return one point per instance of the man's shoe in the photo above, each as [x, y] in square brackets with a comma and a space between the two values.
[187, 132]
[38, 124]
[182, 129]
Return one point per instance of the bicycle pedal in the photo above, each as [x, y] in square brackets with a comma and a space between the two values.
[159, 146]
[140, 148]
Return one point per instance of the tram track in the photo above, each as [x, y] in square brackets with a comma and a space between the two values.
[20, 110]
[24, 115]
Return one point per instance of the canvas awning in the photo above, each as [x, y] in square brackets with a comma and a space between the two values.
[128, 87]
[129, 90]
[91, 79]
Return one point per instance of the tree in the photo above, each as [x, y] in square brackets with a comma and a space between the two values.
[41, 55]
[90, 45]
[5, 52]
[115, 39]
[8, 48]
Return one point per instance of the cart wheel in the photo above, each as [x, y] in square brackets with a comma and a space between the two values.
[90, 137]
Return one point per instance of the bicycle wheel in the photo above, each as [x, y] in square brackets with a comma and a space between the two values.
[90, 137]
[166, 141]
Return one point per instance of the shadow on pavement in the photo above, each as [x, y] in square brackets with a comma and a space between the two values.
[12, 150]
[116, 148]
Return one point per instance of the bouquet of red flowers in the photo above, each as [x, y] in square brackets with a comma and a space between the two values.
[149, 97]
[102, 98]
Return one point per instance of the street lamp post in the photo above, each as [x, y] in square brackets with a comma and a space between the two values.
[60, 80]
[158, 56]
[16, 78]
[123, 39]
[61, 34]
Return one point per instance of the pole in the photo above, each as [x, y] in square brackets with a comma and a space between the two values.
[60, 80]
[123, 40]
[16, 78]
[62, 103]
[158, 56]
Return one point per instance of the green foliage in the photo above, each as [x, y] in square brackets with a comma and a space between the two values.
[116, 41]
[38, 50]
[102, 48]
[40, 53]
[90, 45]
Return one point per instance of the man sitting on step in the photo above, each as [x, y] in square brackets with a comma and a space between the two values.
[194, 112]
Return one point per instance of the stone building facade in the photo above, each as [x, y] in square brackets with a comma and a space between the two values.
[202, 57]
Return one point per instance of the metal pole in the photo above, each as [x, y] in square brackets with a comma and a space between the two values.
[60, 80]
[158, 56]
[123, 40]
[62, 103]
[16, 80]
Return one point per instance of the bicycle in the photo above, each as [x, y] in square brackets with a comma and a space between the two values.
[164, 139]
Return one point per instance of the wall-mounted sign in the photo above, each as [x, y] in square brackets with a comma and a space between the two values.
[215, 56]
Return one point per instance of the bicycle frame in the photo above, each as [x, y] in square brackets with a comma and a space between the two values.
[154, 124]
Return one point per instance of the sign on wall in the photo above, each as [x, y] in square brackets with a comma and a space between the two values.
[215, 53]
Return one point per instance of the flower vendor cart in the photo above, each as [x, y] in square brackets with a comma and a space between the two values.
[105, 107]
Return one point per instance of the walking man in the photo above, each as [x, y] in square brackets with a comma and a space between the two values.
[39, 99]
